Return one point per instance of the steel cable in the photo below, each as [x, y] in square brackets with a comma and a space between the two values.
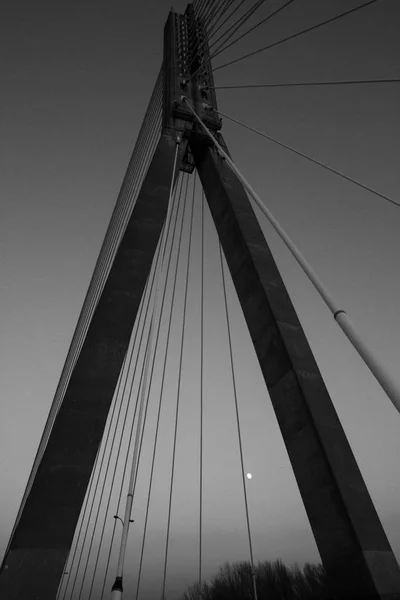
[126, 460]
[117, 457]
[313, 160]
[238, 425]
[68, 367]
[178, 396]
[376, 365]
[296, 35]
[267, 18]
[162, 383]
[238, 6]
[131, 354]
[224, 7]
[81, 521]
[104, 448]
[201, 391]
[305, 84]
[235, 26]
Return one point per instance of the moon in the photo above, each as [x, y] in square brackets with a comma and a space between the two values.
[249, 475]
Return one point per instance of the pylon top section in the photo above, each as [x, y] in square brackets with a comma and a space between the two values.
[188, 72]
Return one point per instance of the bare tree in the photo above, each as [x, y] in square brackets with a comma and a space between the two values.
[275, 581]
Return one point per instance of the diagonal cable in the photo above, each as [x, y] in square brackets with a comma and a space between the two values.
[305, 84]
[298, 34]
[224, 9]
[267, 18]
[178, 397]
[104, 447]
[114, 435]
[67, 569]
[75, 343]
[125, 467]
[231, 31]
[131, 353]
[238, 425]
[238, 6]
[235, 26]
[313, 160]
[375, 364]
[161, 249]
[129, 497]
[286, 39]
[162, 383]
[201, 392]
[156, 262]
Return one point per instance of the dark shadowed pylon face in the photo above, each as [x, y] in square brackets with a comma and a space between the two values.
[42, 538]
[350, 538]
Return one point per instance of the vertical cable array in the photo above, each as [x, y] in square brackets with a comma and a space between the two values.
[82, 519]
[93, 550]
[182, 202]
[117, 587]
[147, 140]
[122, 397]
[179, 384]
[238, 425]
[179, 184]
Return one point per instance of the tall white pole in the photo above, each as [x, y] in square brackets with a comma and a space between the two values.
[117, 589]
[374, 363]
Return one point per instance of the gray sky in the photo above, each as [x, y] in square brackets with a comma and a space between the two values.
[76, 81]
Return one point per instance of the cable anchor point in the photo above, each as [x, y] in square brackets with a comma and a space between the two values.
[117, 517]
[117, 589]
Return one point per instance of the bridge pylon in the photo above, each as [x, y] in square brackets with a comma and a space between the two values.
[350, 538]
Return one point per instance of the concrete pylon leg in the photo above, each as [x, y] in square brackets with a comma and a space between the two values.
[34, 564]
[353, 545]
